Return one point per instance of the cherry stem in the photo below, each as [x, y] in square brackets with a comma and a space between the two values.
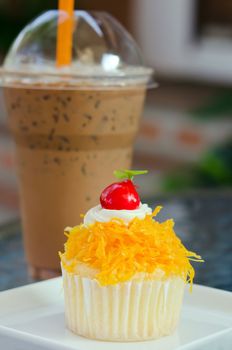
[128, 174]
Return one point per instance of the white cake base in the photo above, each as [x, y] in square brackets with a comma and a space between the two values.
[130, 311]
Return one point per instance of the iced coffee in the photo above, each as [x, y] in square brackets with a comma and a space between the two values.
[72, 128]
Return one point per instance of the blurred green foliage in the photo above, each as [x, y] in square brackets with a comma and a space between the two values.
[218, 105]
[15, 14]
[214, 170]
[215, 167]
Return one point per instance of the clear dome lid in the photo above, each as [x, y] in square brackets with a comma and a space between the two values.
[102, 50]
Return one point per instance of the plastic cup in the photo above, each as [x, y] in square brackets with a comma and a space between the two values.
[72, 126]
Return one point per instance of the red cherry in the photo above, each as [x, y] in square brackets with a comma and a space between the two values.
[119, 196]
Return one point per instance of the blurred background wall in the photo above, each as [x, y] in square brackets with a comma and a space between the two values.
[187, 39]
[185, 139]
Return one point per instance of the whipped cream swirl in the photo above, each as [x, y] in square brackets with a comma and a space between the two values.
[99, 214]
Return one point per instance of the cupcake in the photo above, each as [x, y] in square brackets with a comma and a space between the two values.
[124, 273]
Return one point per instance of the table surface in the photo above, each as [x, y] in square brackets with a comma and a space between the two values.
[203, 222]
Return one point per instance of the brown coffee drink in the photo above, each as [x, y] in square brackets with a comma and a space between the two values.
[69, 140]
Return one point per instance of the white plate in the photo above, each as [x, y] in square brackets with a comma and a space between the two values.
[32, 317]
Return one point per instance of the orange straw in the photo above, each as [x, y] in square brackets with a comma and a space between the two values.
[65, 33]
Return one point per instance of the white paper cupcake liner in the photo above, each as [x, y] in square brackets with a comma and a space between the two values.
[130, 311]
